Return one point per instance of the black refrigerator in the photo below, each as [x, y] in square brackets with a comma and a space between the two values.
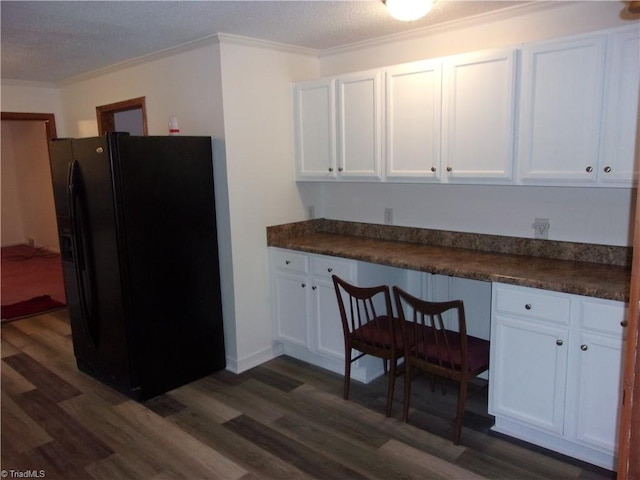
[137, 227]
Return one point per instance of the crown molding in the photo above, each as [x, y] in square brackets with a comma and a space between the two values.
[256, 42]
[10, 82]
[167, 52]
[215, 39]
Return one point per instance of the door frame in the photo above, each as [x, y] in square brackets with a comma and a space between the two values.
[49, 120]
[106, 114]
[629, 423]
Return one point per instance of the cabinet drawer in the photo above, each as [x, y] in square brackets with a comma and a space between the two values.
[328, 266]
[534, 303]
[288, 260]
[603, 316]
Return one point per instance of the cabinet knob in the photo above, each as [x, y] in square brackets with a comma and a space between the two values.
[314, 288]
[624, 324]
[329, 269]
[607, 169]
[584, 348]
[559, 342]
[287, 262]
[330, 169]
[528, 306]
[449, 169]
[589, 169]
[303, 285]
[340, 169]
[433, 169]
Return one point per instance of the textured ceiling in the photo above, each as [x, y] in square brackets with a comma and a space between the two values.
[49, 41]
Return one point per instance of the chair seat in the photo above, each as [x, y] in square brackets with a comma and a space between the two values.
[478, 350]
[378, 332]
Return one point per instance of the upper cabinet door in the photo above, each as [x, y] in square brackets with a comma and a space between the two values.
[315, 130]
[360, 126]
[621, 149]
[413, 111]
[560, 112]
[478, 116]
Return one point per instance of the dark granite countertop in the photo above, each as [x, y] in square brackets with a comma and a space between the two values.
[606, 273]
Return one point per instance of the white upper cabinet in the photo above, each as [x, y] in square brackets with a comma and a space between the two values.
[561, 110]
[360, 126]
[413, 119]
[315, 129]
[621, 150]
[478, 117]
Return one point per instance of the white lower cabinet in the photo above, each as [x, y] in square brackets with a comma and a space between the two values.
[555, 370]
[307, 321]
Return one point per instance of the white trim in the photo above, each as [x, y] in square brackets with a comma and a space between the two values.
[9, 82]
[215, 39]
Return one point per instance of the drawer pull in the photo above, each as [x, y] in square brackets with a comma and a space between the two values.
[589, 169]
[329, 269]
[584, 348]
[624, 323]
[607, 169]
[303, 285]
[314, 288]
[528, 306]
[559, 342]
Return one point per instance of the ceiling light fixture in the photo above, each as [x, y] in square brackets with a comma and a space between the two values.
[408, 10]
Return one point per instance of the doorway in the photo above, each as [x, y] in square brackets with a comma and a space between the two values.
[31, 267]
[28, 211]
[126, 116]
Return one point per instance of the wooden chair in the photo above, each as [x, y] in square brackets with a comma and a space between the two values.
[445, 352]
[370, 328]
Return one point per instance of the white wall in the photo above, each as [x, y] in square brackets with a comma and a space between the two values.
[183, 85]
[576, 214]
[12, 224]
[33, 98]
[28, 209]
[256, 85]
[586, 215]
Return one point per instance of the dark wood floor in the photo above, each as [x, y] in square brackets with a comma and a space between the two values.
[282, 420]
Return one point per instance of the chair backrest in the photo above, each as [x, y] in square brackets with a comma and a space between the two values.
[366, 314]
[440, 349]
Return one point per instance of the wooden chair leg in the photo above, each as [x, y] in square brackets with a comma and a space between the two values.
[347, 373]
[462, 398]
[407, 390]
[391, 386]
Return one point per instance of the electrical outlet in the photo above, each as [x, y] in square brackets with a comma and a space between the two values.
[311, 212]
[541, 228]
[388, 216]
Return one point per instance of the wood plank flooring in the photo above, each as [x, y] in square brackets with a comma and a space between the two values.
[282, 420]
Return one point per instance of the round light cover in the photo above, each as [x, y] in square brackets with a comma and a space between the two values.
[408, 10]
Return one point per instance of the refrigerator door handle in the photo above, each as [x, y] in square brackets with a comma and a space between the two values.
[80, 263]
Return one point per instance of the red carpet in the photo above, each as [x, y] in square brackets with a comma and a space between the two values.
[30, 307]
[29, 273]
